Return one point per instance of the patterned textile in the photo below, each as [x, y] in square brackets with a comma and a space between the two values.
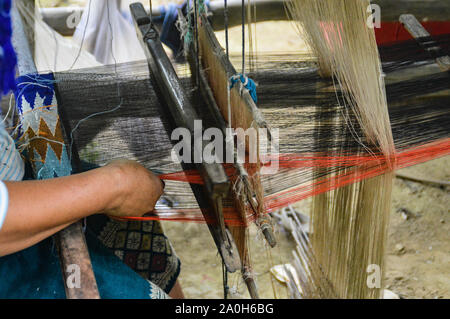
[140, 245]
[40, 130]
[35, 271]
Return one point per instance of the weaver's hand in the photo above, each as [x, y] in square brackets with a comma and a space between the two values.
[120, 189]
[138, 189]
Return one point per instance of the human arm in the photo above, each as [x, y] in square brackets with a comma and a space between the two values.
[38, 209]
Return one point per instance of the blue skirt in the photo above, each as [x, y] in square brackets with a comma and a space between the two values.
[35, 273]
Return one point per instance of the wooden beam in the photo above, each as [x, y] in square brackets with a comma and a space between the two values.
[269, 10]
[266, 10]
[58, 18]
[73, 251]
[430, 10]
[422, 36]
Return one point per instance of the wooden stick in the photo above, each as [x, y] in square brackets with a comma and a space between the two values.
[73, 251]
[422, 179]
[419, 33]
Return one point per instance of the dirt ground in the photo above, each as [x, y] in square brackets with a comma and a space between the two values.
[418, 252]
[418, 262]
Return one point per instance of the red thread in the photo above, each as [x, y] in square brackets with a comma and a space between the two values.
[355, 168]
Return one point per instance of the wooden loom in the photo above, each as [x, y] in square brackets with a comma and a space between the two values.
[248, 201]
[214, 67]
[217, 62]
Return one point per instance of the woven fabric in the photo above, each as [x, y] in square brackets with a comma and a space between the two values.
[140, 245]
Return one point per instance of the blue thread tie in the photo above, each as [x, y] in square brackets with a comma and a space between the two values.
[248, 83]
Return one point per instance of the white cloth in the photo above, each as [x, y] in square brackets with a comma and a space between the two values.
[54, 52]
[104, 32]
[3, 203]
[12, 168]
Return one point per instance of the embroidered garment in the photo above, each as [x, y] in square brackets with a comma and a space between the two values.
[40, 127]
[140, 245]
[35, 272]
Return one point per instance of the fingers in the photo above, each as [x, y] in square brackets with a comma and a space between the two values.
[139, 188]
